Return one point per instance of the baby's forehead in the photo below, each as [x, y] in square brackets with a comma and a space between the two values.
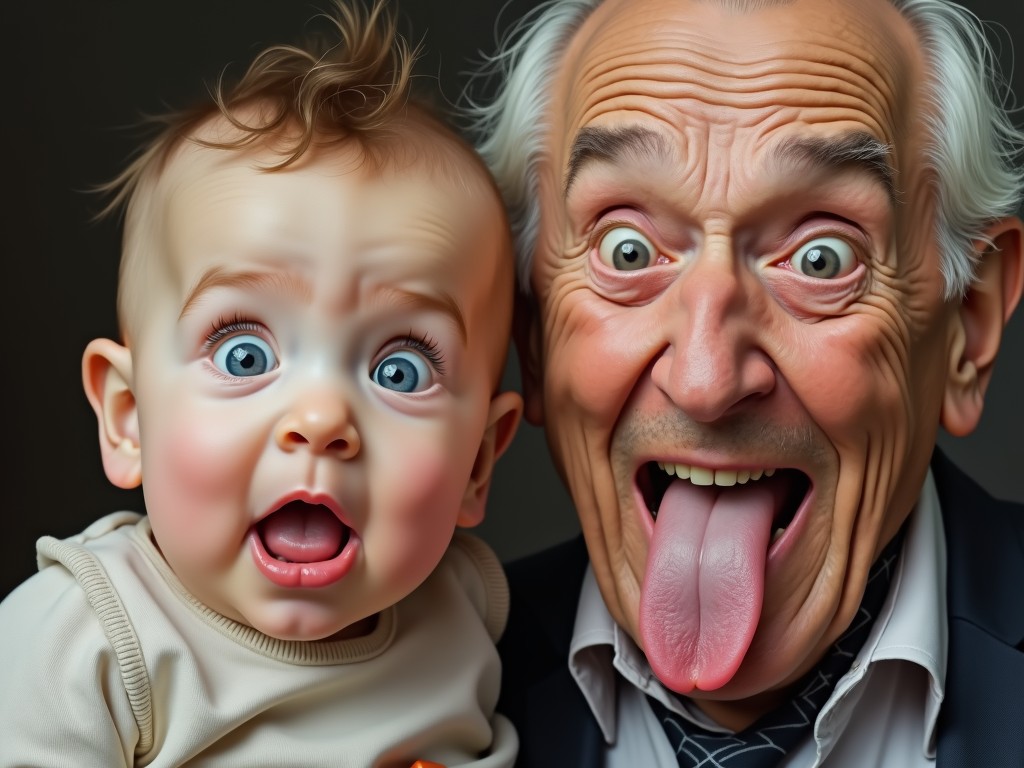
[419, 146]
[416, 142]
[427, 190]
[350, 223]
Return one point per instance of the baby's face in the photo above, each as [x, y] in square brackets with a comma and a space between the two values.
[313, 374]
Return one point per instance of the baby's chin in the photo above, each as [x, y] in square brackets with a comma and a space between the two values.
[311, 626]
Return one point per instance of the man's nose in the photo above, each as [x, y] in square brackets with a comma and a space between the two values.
[320, 420]
[712, 364]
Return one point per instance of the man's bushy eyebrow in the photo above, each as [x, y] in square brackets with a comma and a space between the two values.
[857, 149]
[609, 145]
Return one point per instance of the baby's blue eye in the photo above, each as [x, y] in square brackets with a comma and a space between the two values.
[824, 257]
[402, 371]
[244, 355]
[625, 249]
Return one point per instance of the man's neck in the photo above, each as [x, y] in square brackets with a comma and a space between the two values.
[738, 715]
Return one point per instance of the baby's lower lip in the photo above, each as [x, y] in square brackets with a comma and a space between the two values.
[312, 575]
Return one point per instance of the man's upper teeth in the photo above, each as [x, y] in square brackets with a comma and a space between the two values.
[705, 476]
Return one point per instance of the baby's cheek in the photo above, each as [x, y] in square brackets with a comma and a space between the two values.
[192, 471]
[413, 514]
[195, 497]
[427, 504]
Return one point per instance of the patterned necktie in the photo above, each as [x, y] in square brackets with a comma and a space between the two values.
[767, 741]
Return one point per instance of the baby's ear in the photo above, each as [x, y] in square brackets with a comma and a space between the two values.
[980, 320]
[107, 378]
[502, 422]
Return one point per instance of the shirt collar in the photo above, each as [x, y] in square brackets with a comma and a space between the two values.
[592, 653]
[911, 627]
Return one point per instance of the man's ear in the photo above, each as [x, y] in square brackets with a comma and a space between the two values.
[526, 333]
[502, 421]
[107, 377]
[980, 320]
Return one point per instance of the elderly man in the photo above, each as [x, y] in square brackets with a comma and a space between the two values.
[767, 249]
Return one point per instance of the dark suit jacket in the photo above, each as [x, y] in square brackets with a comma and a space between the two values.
[980, 724]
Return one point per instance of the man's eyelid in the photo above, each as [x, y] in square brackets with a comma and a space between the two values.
[619, 220]
[835, 227]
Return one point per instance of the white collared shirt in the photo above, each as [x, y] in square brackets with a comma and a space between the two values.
[881, 714]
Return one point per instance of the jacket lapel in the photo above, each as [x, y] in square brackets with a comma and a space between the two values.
[560, 729]
[556, 726]
[981, 722]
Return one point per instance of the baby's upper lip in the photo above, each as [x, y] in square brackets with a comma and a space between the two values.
[315, 498]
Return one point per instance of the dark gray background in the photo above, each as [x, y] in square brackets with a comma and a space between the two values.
[75, 75]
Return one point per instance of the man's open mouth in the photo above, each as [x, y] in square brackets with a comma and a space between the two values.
[789, 486]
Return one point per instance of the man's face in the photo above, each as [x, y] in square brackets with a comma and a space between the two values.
[313, 376]
[737, 285]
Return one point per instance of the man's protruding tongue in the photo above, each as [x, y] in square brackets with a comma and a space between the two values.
[704, 584]
[302, 533]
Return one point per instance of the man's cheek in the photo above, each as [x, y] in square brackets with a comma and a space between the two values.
[853, 391]
[594, 364]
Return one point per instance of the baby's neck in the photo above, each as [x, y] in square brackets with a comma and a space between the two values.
[361, 628]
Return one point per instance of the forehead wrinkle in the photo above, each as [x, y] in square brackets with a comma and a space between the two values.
[278, 282]
[441, 302]
[613, 145]
[744, 87]
[854, 67]
[858, 150]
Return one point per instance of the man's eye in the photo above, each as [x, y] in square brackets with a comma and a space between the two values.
[402, 371]
[625, 249]
[824, 257]
[244, 355]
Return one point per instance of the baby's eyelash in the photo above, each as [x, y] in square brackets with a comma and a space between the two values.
[223, 328]
[427, 347]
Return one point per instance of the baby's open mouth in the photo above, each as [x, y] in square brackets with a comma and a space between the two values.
[300, 532]
[790, 486]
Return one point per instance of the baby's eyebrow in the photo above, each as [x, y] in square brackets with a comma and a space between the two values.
[441, 302]
[277, 282]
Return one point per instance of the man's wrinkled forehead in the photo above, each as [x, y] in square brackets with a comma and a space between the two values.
[740, 58]
[664, 19]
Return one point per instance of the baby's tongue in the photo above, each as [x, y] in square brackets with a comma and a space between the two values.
[704, 585]
[302, 533]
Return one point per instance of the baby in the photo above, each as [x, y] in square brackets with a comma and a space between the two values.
[315, 299]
